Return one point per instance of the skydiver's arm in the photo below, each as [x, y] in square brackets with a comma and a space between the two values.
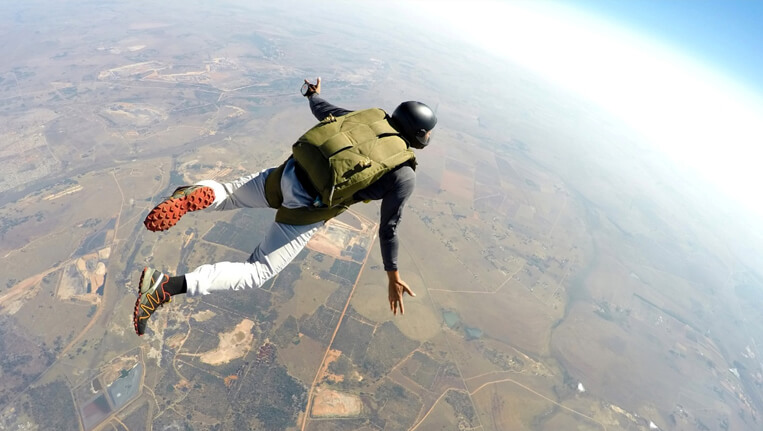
[321, 108]
[393, 189]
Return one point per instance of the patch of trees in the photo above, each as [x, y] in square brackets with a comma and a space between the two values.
[53, 407]
[273, 396]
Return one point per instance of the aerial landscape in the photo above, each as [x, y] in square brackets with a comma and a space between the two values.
[567, 276]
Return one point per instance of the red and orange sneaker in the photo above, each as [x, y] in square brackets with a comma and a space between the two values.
[184, 199]
[151, 294]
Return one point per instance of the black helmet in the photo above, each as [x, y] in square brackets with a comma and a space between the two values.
[413, 120]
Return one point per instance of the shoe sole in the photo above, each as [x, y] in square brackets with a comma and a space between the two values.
[168, 213]
[137, 302]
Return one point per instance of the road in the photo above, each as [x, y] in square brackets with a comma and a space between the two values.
[321, 367]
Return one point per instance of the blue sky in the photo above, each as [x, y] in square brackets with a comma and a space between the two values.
[685, 74]
[727, 34]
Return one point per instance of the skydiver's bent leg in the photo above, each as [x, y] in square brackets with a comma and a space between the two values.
[249, 191]
[282, 243]
[245, 192]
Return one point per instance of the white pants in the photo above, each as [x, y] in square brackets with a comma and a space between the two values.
[282, 242]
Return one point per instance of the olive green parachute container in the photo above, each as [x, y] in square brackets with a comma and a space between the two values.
[341, 156]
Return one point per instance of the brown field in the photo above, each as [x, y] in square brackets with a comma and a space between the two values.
[471, 361]
[460, 187]
[449, 273]
[13, 300]
[330, 403]
[302, 359]
[336, 236]
[43, 309]
[440, 417]
[506, 405]
[330, 240]
[513, 316]
[309, 294]
[203, 316]
[233, 345]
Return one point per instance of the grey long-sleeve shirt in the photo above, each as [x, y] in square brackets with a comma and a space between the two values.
[394, 189]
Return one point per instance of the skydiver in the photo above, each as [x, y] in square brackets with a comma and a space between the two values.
[302, 206]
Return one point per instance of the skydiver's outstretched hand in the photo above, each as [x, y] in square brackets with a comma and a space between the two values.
[397, 288]
[311, 88]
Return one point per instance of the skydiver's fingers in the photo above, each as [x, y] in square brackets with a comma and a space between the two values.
[408, 290]
[401, 306]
